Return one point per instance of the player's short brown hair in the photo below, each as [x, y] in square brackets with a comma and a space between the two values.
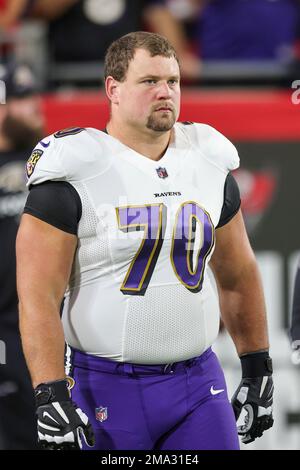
[121, 52]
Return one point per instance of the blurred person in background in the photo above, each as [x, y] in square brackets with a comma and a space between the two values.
[21, 127]
[241, 30]
[82, 30]
[13, 10]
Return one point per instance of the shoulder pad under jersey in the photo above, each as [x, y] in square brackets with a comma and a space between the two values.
[213, 145]
[69, 155]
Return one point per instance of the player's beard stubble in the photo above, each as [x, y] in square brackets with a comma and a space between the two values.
[161, 122]
[22, 135]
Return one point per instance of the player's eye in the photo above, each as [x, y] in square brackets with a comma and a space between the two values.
[150, 81]
[173, 81]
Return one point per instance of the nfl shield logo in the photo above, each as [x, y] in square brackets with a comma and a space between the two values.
[101, 414]
[162, 172]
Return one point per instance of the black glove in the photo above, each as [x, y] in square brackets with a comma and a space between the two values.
[61, 424]
[255, 395]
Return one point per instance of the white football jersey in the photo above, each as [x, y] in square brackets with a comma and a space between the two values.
[139, 290]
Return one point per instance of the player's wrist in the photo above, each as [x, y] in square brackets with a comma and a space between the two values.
[49, 392]
[256, 364]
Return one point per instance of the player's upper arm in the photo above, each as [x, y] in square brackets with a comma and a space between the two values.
[44, 261]
[232, 201]
[57, 203]
[232, 252]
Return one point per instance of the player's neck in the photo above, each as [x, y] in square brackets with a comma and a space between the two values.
[150, 144]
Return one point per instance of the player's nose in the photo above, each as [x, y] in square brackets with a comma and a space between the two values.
[163, 90]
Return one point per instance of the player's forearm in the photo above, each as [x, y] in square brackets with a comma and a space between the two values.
[42, 340]
[243, 311]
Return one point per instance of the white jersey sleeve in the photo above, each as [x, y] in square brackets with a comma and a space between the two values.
[45, 162]
[214, 146]
[67, 155]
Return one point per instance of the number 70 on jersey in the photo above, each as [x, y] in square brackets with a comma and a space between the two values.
[187, 265]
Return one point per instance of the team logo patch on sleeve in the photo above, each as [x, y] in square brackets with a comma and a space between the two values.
[32, 161]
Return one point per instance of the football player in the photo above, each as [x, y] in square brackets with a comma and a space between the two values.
[122, 224]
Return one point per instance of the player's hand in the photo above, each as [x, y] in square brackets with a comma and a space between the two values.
[255, 395]
[61, 424]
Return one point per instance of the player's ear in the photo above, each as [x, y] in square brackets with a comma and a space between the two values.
[112, 90]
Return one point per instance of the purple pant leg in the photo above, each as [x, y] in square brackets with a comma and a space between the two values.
[209, 427]
[123, 425]
[210, 423]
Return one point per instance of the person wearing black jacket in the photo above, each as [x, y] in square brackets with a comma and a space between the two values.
[21, 127]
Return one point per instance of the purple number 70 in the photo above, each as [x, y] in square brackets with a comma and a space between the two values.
[152, 219]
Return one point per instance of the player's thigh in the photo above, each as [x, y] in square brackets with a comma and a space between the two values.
[113, 405]
[211, 426]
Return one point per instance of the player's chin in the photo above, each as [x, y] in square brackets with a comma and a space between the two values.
[163, 123]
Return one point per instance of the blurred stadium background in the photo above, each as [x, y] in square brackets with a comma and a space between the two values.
[240, 62]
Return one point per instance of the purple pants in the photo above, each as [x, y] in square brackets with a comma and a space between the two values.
[183, 406]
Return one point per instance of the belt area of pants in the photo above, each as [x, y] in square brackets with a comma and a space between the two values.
[92, 362]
